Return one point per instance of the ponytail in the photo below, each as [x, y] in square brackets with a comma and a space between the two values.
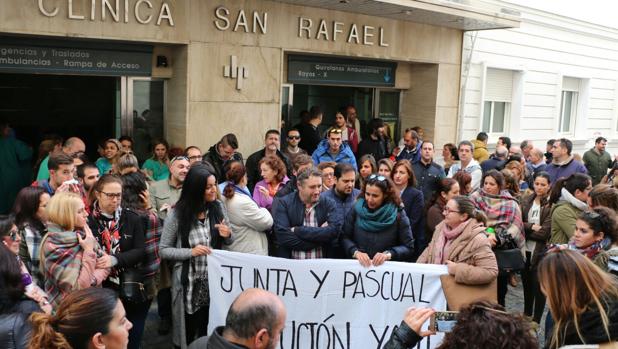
[228, 191]
[571, 184]
[479, 216]
[234, 174]
[44, 336]
[466, 205]
[556, 191]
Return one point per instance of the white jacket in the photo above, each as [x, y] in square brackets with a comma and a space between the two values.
[248, 223]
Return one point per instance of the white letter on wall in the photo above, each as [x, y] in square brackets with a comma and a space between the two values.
[353, 34]
[165, 13]
[45, 12]
[138, 17]
[302, 27]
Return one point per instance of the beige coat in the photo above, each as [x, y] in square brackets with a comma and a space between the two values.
[476, 262]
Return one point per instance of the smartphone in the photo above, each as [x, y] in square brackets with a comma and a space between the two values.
[443, 321]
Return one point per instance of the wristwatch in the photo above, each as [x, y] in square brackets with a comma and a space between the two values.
[388, 255]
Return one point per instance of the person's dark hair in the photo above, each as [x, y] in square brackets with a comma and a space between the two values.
[57, 159]
[551, 141]
[133, 184]
[543, 174]
[26, 205]
[496, 175]
[391, 194]
[100, 184]
[571, 184]
[511, 183]
[231, 140]
[292, 129]
[276, 164]
[466, 205]
[191, 202]
[186, 151]
[444, 186]
[301, 160]
[126, 138]
[413, 134]
[11, 285]
[306, 173]
[567, 144]
[453, 150]
[602, 219]
[515, 157]
[604, 195]
[304, 116]
[375, 124]
[484, 324]
[81, 169]
[315, 112]
[342, 169]
[482, 136]
[599, 140]
[506, 141]
[158, 141]
[327, 164]
[271, 132]
[247, 322]
[463, 178]
[234, 174]
[408, 167]
[372, 162]
[468, 143]
[80, 316]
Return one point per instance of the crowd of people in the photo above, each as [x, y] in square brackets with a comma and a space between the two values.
[88, 246]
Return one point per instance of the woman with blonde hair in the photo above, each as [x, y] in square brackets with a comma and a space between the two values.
[582, 299]
[69, 250]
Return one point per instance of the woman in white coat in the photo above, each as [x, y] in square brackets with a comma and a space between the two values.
[249, 222]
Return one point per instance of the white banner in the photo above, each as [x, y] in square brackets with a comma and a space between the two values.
[331, 304]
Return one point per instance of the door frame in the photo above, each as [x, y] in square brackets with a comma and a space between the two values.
[126, 102]
[376, 108]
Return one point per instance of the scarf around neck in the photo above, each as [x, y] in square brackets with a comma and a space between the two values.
[108, 229]
[446, 238]
[375, 220]
[592, 250]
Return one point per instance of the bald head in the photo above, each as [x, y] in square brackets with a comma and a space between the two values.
[73, 146]
[254, 315]
[502, 152]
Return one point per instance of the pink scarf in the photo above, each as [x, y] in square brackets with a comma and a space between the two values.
[444, 241]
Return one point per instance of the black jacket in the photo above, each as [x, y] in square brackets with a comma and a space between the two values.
[428, 178]
[591, 326]
[213, 158]
[253, 170]
[309, 137]
[414, 205]
[492, 163]
[132, 230]
[379, 148]
[15, 328]
[397, 239]
[289, 211]
[403, 338]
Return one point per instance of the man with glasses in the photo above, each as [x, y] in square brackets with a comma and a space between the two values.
[563, 164]
[307, 225]
[72, 147]
[194, 154]
[222, 152]
[292, 150]
[332, 149]
[598, 161]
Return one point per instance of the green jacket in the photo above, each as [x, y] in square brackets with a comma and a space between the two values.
[597, 164]
[563, 217]
[161, 193]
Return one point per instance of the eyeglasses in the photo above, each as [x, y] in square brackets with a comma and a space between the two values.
[375, 177]
[328, 175]
[293, 137]
[180, 157]
[447, 210]
[195, 157]
[13, 234]
[112, 195]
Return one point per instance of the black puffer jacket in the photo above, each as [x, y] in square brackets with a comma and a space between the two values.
[14, 325]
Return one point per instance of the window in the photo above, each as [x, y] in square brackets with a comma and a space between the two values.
[497, 101]
[568, 105]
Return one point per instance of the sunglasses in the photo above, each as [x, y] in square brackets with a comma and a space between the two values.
[335, 130]
[293, 137]
[13, 234]
[180, 157]
[375, 177]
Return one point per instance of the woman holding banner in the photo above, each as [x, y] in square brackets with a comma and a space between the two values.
[460, 243]
[197, 224]
[377, 228]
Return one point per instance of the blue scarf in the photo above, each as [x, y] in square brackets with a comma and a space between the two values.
[374, 220]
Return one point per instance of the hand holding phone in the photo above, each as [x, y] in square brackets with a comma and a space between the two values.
[443, 321]
[415, 318]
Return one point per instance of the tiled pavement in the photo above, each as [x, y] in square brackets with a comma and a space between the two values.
[152, 340]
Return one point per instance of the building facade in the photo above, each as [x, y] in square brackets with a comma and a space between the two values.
[551, 77]
[193, 70]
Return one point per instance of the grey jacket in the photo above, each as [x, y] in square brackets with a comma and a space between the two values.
[14, 325]
[170, 249]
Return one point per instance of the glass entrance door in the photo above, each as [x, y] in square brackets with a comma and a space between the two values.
[143, 112]
[387, 108]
